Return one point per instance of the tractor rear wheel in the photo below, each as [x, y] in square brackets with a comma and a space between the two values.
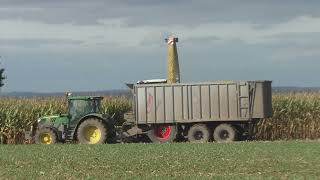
[162, 133]
[224, 133]
[92, 131]
[199, 133]
[45, 136]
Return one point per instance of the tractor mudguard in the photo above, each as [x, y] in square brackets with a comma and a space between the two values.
[45, 125]
[106, 118]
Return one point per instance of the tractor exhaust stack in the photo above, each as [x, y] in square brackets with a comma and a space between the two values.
[173, 71]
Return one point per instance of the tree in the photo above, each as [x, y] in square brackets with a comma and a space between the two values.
[2, 77]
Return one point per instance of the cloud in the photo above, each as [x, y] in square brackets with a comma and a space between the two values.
[37, 42]
[123, 41]
[157, 13]
[115, 32]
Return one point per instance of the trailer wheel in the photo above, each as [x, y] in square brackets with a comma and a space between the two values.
[224, 133]
[199, 133]
[162, 134]
[45, 136]
[92, 131]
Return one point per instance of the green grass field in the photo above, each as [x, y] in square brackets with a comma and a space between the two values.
[251, 160]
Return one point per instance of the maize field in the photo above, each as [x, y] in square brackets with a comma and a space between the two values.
[295, 115]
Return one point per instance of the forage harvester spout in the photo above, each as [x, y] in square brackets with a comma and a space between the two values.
[173, 70]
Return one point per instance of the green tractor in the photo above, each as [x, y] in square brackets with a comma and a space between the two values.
[84, 123]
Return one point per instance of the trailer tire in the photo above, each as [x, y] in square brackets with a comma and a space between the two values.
[224, 133]
[199, 133]
[162, 133]
[46, 136]
[92, 131]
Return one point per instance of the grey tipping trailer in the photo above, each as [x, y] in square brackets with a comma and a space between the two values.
[222, 110]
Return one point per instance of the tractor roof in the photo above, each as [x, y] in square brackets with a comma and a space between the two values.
[85, 97]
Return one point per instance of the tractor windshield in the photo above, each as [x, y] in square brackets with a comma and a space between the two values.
[79, 108]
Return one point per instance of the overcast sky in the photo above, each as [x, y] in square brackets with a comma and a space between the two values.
[66, 45]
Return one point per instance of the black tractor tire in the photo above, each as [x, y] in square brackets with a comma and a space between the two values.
[46, 136]
[162, 133]
[92, 131]
[3, 138]
[198, 133]
[224, 133]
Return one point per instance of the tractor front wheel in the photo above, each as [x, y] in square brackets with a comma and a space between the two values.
[92, 131]
[45, 136]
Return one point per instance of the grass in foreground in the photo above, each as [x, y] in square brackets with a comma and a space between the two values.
[252, 160]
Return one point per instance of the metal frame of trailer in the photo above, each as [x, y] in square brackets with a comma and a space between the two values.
[237, 103]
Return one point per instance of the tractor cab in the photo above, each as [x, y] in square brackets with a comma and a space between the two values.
[80, 106]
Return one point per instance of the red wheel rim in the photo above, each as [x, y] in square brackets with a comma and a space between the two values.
[162, 132]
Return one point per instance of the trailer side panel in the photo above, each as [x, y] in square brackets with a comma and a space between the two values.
[202, 102]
